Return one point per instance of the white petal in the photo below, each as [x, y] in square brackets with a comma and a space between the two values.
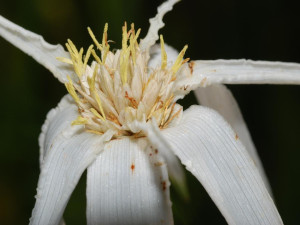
[57, 119]
[243, 71]
[35, 46]
[128, 184]
[175, 169]
[219, 98]
[156, 23]
[206, 145]
[67, 152]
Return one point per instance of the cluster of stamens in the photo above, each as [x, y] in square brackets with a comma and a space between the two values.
[118, 88]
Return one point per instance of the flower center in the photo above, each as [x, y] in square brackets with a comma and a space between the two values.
[118, 88]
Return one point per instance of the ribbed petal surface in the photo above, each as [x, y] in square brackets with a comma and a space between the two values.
[175, 169]
[128, 184]
[219, 98]
[207, 146]
[67, 152]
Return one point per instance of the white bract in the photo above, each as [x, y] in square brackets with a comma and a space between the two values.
[120, 121]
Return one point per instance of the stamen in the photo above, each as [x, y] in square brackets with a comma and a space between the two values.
[87, 56]
[91, 81]
[177, 63]
[79, 121]
[166, 106]
[76, 57]
[94, 111]
[170, 119]
[133, 42]
[65, 60]
[94, 39]
[104, 38]
[98, 60]
[101, 106]
[124, 56]
[71, 90]
[124, 37]
[113, 118]
[105, 45]
[164, 57]
[73, 47]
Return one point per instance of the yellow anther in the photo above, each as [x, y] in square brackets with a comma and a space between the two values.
[71, 90]
[94, 111]
[104, 55]
[178, 61]
[80, 54]
[104, 37]
[124, 37]
[132, 45]
[124, 65]
[79, 121]
[133, 34]
[76, 57]
[73, 47]
[91, 81]
[133, 42]
[105, 44]
[71, 53]
[87, 56]
[65, 60]
[124, 56]
[137, 35]
[185, 60]
[94, 39]
[99, 104]
[132, 28]
[98, 60]
[132, 49]
[164, 57]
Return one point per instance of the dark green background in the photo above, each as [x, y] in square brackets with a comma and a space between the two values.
[256, 29]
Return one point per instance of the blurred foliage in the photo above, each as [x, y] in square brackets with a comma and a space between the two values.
[257, 29]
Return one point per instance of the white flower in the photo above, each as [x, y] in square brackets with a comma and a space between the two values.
[121, 123]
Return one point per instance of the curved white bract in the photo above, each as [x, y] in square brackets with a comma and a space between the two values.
[57, 120]
[219, 98]
[66, 153]
[156, 23]
[207, 146]
[35, 46]
[128, 184]
[242, 71]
